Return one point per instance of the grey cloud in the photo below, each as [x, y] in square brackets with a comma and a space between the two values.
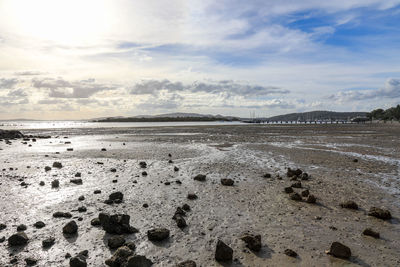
[28, 73]
[8, 83]
[227, 88]
[17, 93]
[390, 90]
[60, 88]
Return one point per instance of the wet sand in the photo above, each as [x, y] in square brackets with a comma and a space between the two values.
[255, 204]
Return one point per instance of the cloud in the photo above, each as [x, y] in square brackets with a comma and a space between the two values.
[28, 73]
[390, 90]
[60, 88]
[224, 87]
[17, 93]
[8, 83]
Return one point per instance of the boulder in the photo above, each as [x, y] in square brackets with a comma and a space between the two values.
[10, 134]
[18, 239]
[79, 260]
[379, 213]
[158, 234]
[223, 252]
[116, 224]
[253, 242]
[339, 250]
[138, 261]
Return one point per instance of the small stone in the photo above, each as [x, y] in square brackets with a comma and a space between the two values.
[119, 257]
[379, 213]
[192, 196]
[116, 241]
[55, 183]
[355, 160]
[290, 253]
[157, 234]
[349, 205]
[95, 222]
[296, 185]
[47, 168]
[116, 196]
[39, 224]
[223, 252]
[339, 250]
[176, 169]
[18, 239]
[305, 193]
[370, 232]
[144, 173]
[2, 226]
[78, 174]
[81, 198]
[143, 164]
[41, 183]
[227, 181]
[187, 263]
[170, 161]
[288, 190]
[186, 207]
[103, 149]
[57, 165]
[97, 192]
[21, 227]
[311, 199]
[70, 228]
[145, 205]
[295, 196]
[30, 261]
[76, 181]
[253, 242]
[200, 177]
[60, 214]
[48, 242]
[180, 221]
[113, 170]
[82, 209]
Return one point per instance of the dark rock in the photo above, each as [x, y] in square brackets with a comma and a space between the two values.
[339, 250]
[223, 252]
[116, 241]
[349, 205]
[288, 190]
[304, 176]
[383, 214]
[188, 263]
[253, 242]
[47, 168]
[76, 181]
[291, 172]
[186, 207]
[30, 261]
[79, 260]
[81, 198]
[39, 224]
[131, 245]
[170, 161]
[70, 149]
[267, 175]
[290, 253]
[95, 222]
[144, 173]
[78, 174]
[176, 169]
[138, 261]
[2, 239]
[167, 183]
[113, 170]
[41, 183]
[82, 209]
[227, 181]
[115, 196]
[57, 165]
[145, 205]
[116, 224]
[143, 164]
[178, 182]
[120, 257]
[311, 199]
[295, 196]
[21, 227]
[305, 193]
[70, 228]
[48, 242]
[200, 177]
[18, 239]
[103, 149]
[97, 192]
[296, 185]
[158, 234]
[60, 214]
[192, 196]
[10, 134]
[180, 221]
[355, 160]
[55, 183]
[370, 232]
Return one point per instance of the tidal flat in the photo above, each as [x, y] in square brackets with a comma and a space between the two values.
[343, 162]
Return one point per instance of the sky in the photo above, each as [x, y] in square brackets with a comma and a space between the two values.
[75, 59]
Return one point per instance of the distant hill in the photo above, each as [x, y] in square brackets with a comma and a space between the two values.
[168, 117]
[318, 115]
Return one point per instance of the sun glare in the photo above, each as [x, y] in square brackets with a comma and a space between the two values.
[68, 22]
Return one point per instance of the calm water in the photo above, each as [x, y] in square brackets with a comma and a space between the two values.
[11, 125]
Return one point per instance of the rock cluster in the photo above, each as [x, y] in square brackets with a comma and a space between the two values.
[116, 224]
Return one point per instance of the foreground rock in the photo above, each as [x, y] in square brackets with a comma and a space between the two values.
[253, 242]
[116, 241]
[158, 234]
[70, 228]
[48, 242]
[339, 250]
[116, 224]
[10, 134]
[380, 213]
[18, 239]
[79, 260]
[223, 252]
[370, 232]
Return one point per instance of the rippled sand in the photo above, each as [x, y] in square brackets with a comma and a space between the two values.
[254, 204]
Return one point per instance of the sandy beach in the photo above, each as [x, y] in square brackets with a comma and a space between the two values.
[358, 162]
